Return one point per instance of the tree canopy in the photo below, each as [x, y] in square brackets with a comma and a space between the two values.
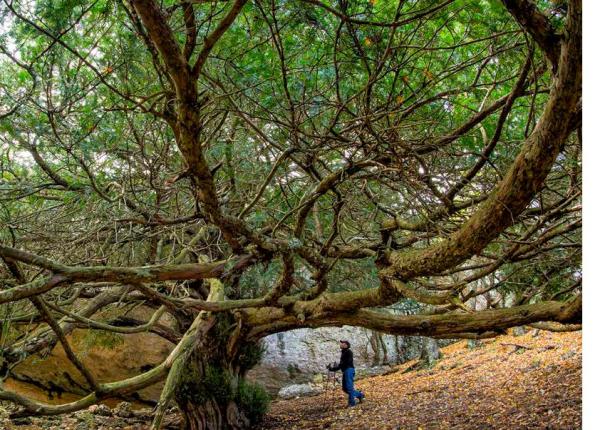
[408, 166]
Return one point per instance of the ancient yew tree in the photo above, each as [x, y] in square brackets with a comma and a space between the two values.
[241, 168]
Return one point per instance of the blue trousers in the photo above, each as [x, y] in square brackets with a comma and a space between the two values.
[348, 386]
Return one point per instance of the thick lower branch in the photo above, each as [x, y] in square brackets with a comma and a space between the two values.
[124, 275]
[268, 321]
[523, 180]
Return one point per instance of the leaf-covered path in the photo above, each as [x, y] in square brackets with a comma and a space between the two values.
[511, 382]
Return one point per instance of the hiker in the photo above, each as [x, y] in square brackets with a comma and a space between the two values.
[347, 367]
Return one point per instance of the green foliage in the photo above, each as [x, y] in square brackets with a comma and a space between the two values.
[214, 384]
[253, 399]
[217, 384]
[97, 107]
[101, 339]
[258, 280]
[250, 354]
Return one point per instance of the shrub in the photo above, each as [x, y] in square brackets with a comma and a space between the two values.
[215, 384]
[250, 354]
[253, 399]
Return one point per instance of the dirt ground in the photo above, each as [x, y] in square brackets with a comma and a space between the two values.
[531, 381]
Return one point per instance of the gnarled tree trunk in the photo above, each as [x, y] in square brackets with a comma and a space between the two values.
[208, 389]
[208, 394]
[207, 377]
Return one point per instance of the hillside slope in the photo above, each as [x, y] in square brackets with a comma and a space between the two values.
[531, 381]
[510, 382]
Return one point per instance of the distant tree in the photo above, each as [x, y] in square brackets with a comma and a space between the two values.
[254, 167]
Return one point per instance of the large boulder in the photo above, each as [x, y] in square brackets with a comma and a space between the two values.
[109, 357]
[299, 390]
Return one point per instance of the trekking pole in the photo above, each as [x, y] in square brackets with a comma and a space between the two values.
[331, 382]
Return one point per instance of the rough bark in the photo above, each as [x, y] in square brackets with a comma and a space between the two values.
[207, 367]
[538, 25]
[470, 325]
[208, 371]
[523, 180]
[206, 393]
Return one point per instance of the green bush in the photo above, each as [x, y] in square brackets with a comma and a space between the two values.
[215, 384]
[250, 354]
[253, 399]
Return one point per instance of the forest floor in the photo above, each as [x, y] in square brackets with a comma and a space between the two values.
[532, 381]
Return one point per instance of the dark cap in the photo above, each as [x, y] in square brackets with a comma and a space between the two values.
[346, 342]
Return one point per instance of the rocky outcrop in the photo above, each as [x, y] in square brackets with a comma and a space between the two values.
[291, 358]
[109, 357]
[297, 356]
[430, 351]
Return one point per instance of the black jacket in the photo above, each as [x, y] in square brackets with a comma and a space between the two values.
[346, 360]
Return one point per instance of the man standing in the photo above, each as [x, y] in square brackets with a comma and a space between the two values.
[347, 367]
